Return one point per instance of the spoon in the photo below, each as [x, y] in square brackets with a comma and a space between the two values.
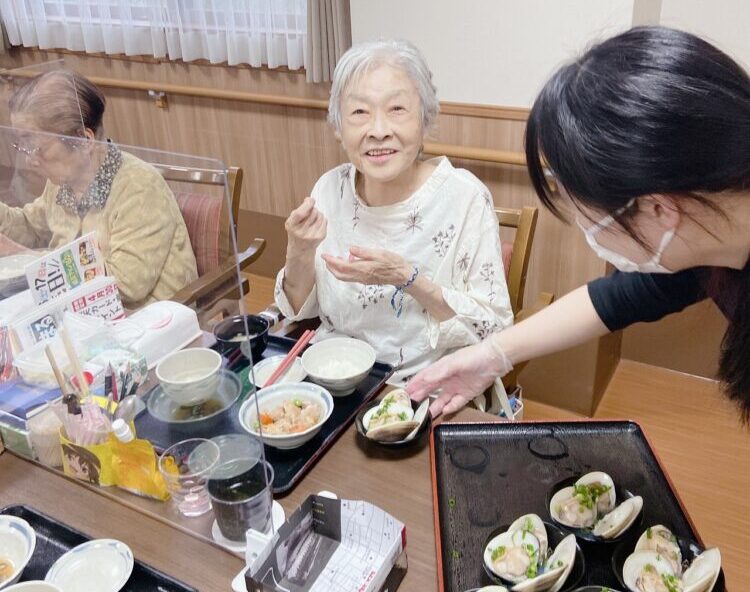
[127, 409]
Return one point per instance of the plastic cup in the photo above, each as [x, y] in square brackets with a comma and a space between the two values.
[44, 430]
[185, 467]
[240, 487]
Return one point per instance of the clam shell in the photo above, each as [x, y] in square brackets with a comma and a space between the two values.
[663, 542]
[503, 539]
[392, 432]
[635, 564]
[399, 397]
[620, 519]
[566, 553]
[396, 430]
[606, 503]
[703, 572]
[538, 530]
[560, 497]
[540, 583]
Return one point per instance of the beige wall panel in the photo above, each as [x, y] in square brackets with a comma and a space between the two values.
[687, 342]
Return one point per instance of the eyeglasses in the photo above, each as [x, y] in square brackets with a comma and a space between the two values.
[29, 152]
[73, 143]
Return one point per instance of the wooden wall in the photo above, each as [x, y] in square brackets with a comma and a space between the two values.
[284, 150]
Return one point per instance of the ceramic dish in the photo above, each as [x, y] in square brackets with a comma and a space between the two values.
[34, 586]
[418, 439]
[339, 364]
[232, 333]
[202, 415]
[273, 396]
[262, 371]
[190, 376]
[17, 544]
[103, 565]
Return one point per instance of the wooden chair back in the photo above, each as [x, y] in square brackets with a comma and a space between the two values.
[517, 264]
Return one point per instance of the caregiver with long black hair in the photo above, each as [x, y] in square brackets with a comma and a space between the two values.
[648, 138]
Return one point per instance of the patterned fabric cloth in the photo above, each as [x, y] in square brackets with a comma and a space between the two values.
[448, 228]
[202, 214]
[97, 192]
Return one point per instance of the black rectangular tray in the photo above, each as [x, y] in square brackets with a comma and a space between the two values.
[486, 475]
[54, 539]
[289, 466]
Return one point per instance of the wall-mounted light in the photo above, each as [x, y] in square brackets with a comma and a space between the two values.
[159, 97]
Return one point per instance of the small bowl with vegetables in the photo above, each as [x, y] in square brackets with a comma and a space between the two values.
[288, 415]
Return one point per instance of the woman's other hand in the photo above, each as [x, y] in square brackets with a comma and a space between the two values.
[305, 229]
[370, 266]
[461, 376]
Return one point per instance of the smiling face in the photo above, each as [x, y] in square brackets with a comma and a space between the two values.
[381, 124]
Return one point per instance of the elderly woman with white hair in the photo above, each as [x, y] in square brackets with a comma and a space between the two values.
[401, 252]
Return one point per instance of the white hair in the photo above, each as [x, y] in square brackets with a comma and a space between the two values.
[360, 58]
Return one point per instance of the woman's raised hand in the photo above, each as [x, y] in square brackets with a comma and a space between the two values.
[305, 229]
[460, 377]
[370, 266]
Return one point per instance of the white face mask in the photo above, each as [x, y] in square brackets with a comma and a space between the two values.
[620, 261]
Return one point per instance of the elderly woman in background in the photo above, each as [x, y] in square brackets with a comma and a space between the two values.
[94, 186]
[400, 252]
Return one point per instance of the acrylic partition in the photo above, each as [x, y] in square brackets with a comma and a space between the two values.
[118, 270]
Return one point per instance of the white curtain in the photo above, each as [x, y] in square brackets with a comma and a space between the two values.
[255, 32]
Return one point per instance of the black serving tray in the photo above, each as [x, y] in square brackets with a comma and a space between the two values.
[289, 466]
[488, 474]
[54, 539]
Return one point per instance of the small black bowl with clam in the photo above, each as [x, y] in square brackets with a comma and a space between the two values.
[235, 331]
[660, 557]
[594, 509]
[395, 421]
[531, 555]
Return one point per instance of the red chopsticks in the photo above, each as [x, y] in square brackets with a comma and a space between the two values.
[290, 357]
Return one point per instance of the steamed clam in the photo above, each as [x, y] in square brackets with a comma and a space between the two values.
[656, 565]
[393, 419]
[591, 504]
[520, 556]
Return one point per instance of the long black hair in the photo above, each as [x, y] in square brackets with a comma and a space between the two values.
[650, 111]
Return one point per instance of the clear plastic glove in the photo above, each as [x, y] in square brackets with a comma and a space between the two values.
[460, 377]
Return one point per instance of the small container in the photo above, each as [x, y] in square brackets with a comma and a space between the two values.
[240, 487]
[33, 586]
[34, 367]
[17, 541]
[44, 431]
[186, 467]
[339, 364]
[231, 333]
[275, 395]
[190, 376]
[263, 370]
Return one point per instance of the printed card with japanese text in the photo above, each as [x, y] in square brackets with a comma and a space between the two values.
[65, 269]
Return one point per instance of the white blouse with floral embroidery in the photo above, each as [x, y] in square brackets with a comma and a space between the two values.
[448, 229]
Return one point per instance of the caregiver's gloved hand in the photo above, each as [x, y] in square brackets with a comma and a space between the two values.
[461, 376]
